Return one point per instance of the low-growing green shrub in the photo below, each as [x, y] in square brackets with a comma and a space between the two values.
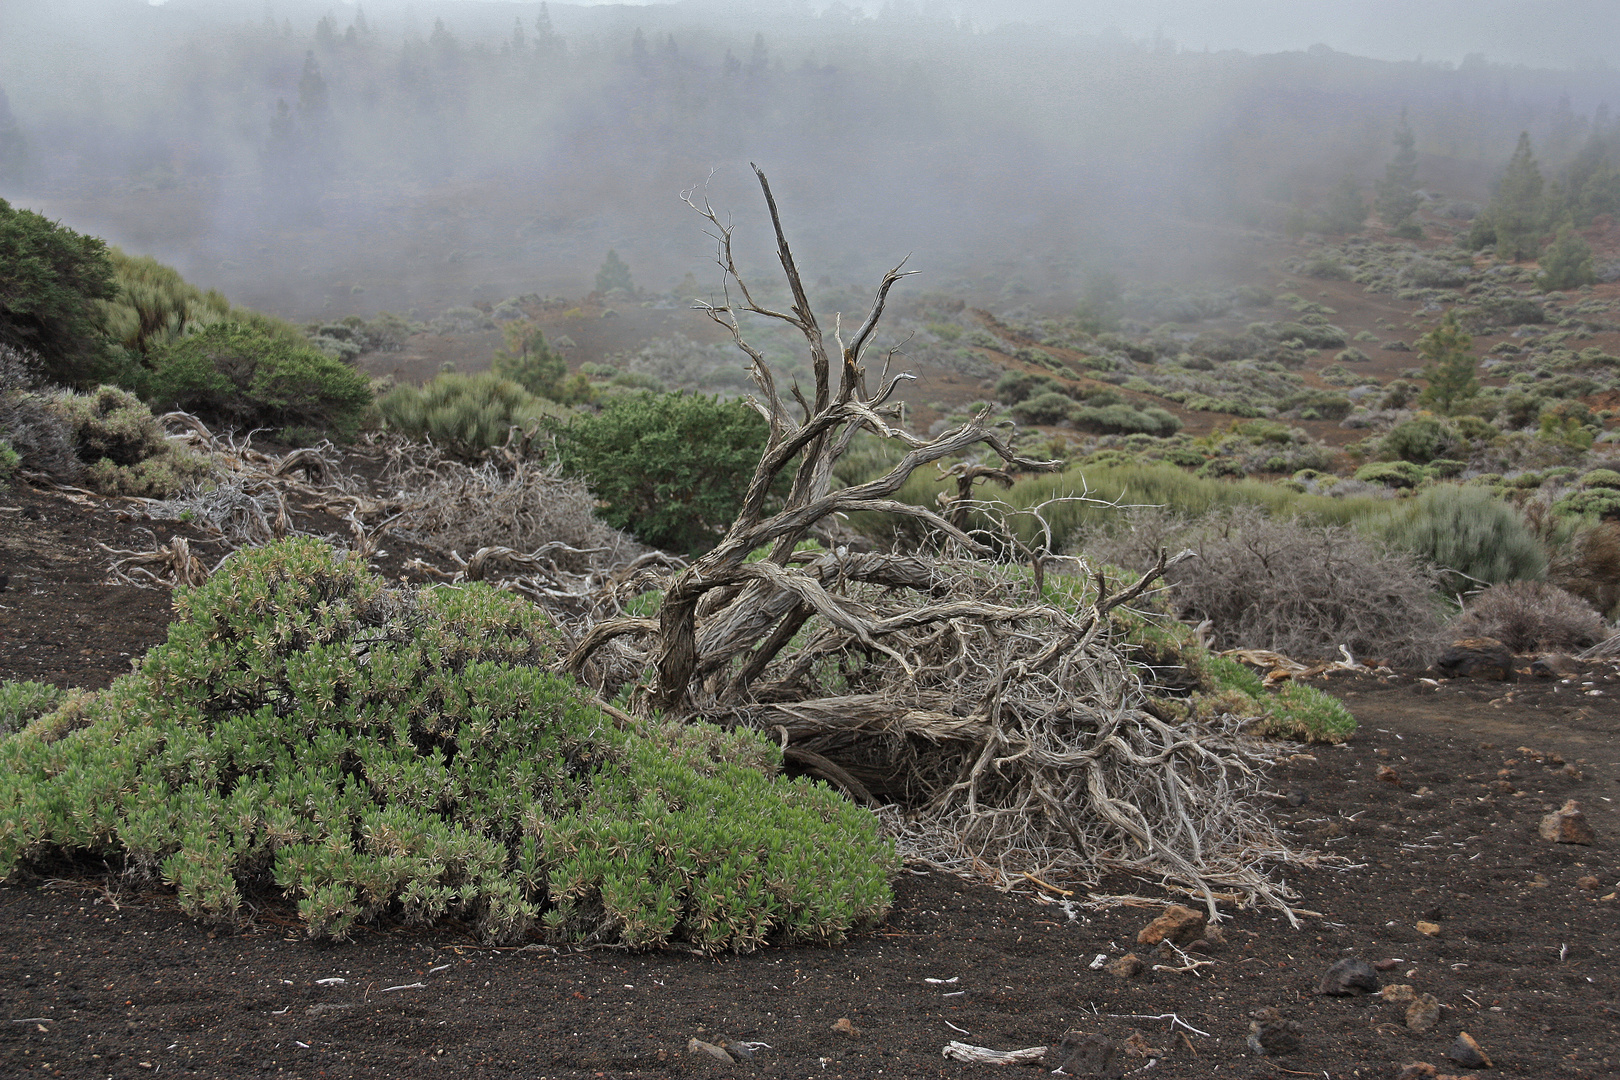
[463, 414]
[121, 447]
[671, 469]
[375, 753]
[22, 702]
[1125, 419]
[1017, 386]
[1050, 407]
[240, 376]
[1418, 440]
[1395, 474]
[1470, 536]
[1597, 502]
[1300, 711]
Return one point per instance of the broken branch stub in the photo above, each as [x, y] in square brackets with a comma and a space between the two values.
[1005, 731]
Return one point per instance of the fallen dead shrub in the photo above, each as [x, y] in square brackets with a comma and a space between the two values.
[1006, 731]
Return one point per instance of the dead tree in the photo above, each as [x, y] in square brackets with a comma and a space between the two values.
[1004, 731]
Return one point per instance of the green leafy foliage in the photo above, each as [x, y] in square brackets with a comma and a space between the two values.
[241, 376]
[1300, 711]
[464, 414]
[1395, 474]
[1513, 212]
[121, 447]
[1449, 366]
[23, 702]
[1124, 419]
[1397, 198]
[156, 306]
[528, 360]
[1419, 440]
[374, 754]
[51, 280]
[670, 468]
[614, 275]
[1051, 407]
[1470, 536]
[1567, 262]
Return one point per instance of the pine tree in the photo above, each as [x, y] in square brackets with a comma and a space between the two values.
[1397, 192]
[311, 91]
[614, 274]
[529, 360]
[1518, 200]
[1451, 368]
[1567, 263]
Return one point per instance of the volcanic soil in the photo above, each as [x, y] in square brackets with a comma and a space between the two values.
[101, 978]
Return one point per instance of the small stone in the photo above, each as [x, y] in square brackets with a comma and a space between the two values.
[1084, 1054]
[1502, 787]
[1387, 964]
[1466, 1052]
[843, 1026]
[1478, 658]
[1269, 1038]
[1398, 994]
[1177, 924]
[1296, 798]
[1416, 1070]
[1568, 825]
[1125, 967]
[1349, 977]
[1423, 1012]
[1428, 929]
[1552, 665]
[1589, 882]
[696, 1045]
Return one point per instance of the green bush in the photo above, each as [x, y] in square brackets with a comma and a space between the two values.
[375, 754]
[1419, 440]
[241, 376]
[121, 447]
[530, 361]
[1395, 474]
[1471, 536]
[23, 702]
[1051, 407]
[1016, 386]
[1601, 478]
[155, 306]
[1598, 502]
[1567, 262]
[670, 468]
[52, 284]
[464, 414]
[1125, 420]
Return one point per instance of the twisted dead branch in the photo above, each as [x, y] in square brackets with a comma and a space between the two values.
[1005, 732]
